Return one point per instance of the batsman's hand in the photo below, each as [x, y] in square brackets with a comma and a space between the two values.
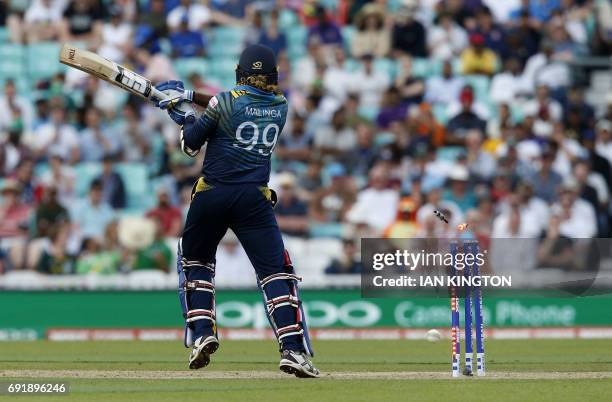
[177, 92]
[182, 114]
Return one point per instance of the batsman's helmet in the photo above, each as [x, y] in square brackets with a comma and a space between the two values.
[257, 60]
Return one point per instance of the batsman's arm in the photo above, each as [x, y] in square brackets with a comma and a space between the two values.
[201, 99]
[195, 134]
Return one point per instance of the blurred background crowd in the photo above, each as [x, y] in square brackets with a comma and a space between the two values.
[497, 113]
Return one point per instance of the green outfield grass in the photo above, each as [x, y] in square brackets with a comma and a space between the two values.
[548, 368]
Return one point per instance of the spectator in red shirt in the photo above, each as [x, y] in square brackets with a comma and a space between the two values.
[169, 217]
[14, 214]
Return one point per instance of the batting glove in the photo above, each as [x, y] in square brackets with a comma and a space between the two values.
[181, 117]
[178, 86]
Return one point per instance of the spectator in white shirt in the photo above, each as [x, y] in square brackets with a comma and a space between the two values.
[336, 137]
[507, 85]
[199, 15]
[370, 84]
[545, 111]
[14, 109]
[337, 83]
[578, 218]
[446, 39]
[443, 89]
[376, 206]
[57, 137]
[116, 35]
[603, 144]
[62, 177]
[543, 69]
[42, 20]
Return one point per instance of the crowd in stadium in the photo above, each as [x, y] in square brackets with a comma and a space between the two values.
[483, 109]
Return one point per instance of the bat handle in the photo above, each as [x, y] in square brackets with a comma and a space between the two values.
[156, 95]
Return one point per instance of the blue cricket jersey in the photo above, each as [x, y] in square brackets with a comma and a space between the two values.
[241, 128]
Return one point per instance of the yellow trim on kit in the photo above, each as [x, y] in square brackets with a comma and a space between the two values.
[237, 93]
[200, 185]
[266, 192]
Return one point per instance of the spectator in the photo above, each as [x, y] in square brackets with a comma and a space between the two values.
[51, 216]
[332, 202]
[12, 152]
[465, 120]
[154, 19]
[604, 139]
[446, 39]
[494, 35]
[272, 36]
[156, 255]
[93, 259]
[82, 22]
[405, 225]
[370, 84]
[57, 137]
[198, 15]
[291, 212]
[349, 263]
[361, 158]
[15, 111]
[543, 69]
[236, 269]
[480, 163]
[507, 86]
[524, 39]
[377, 204]
[392, 109]
[169, 217]
[443, 89]
[113, 189]
[324, 30]
[14, 213]
[185, 42]
[42, 20]
[372, 36]
[136, 145]
[477, 58]
[545, 111]
[459, 191]
[91, 216]
[96, 139]
[422, 122]
[578, 219]
[546, 181]
[62, 177]
[116, 36]
[337, 137]
[408, 35]
[295, 144]
[411, 89]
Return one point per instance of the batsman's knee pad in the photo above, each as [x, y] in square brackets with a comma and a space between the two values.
[197, 294]
[284, 308]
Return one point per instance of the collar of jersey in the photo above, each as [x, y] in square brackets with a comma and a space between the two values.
[254, 90]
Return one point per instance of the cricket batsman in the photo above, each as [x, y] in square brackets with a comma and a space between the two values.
[240, 128]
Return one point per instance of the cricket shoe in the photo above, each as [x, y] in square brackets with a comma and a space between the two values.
[298, 364]
[202, 349]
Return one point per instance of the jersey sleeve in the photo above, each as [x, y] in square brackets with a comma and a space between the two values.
[194, 135]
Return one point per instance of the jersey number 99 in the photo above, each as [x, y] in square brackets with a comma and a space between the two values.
[250, 143]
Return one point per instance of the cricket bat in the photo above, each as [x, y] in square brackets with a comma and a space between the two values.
[109, 71]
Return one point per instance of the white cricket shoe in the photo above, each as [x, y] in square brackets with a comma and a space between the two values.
[298, 364]
[202, 349]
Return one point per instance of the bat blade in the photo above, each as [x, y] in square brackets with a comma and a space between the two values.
[109, 71]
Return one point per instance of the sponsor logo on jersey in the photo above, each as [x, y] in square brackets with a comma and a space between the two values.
[213, 102]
